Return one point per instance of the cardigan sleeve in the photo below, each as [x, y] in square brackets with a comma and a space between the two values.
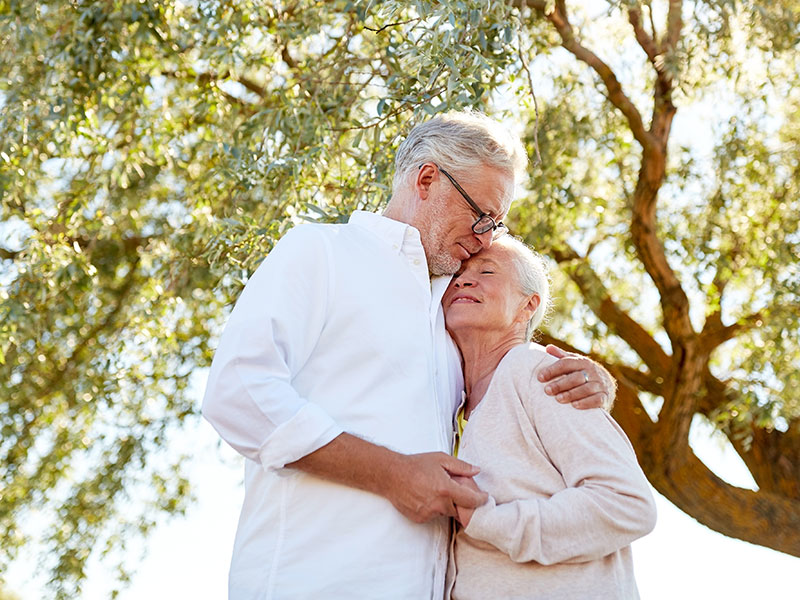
[605, 505]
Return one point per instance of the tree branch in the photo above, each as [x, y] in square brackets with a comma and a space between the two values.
[643, 381]
[653, 32]
[771, 456]
[772, 520]
[616, 95]
[645, 41]
[618, 321]
[674, 26]
[390, 25]
[205, 76]
[9, 254]
[524, 62]
[715, 333]
[287, 58]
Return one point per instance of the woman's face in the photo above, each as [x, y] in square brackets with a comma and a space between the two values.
[485, 294]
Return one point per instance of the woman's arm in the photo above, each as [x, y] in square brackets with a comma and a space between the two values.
[607, 502]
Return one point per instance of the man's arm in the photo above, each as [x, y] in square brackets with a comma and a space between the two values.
[251, 402]
[271, 332]
[579, 380]
[420, 486]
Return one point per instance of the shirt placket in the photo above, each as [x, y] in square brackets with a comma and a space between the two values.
[416, 257]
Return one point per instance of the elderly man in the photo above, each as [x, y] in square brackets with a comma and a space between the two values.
[337, 381]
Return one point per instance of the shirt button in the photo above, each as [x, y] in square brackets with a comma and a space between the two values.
[416, 261]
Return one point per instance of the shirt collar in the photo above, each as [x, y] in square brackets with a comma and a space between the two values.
[394, 233]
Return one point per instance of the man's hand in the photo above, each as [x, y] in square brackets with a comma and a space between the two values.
[578, 379]
[465, 514]
[425, 486]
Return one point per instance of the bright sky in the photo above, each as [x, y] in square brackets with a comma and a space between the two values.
[188, 557]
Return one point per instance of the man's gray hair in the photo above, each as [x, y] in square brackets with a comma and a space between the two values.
[460, 142]
[533, 277]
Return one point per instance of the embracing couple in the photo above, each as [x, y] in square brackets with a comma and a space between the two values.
[403, 437]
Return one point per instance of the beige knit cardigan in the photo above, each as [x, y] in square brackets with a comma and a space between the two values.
[567, 496]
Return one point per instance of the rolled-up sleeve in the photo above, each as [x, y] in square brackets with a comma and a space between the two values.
[270, 335]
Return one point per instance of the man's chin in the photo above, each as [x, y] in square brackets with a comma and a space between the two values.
[444, 267]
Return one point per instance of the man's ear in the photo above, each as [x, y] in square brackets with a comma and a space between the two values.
[426, 176]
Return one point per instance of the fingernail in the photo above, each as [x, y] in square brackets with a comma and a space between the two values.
[541, 377]
[560, 398]
[549, 389]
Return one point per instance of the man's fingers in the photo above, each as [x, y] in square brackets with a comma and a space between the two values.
[594, 401]
[556, 351]
[568, 382]
[458, 467]
[450, 510]
[562, 367]
[467, 481]
[467, 497]
[578, 392]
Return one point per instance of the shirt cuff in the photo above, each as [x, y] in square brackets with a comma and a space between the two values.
[308, 430]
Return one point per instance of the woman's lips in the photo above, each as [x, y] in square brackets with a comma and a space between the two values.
[464, 300]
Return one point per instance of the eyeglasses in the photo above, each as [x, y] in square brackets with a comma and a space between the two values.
[485, 221]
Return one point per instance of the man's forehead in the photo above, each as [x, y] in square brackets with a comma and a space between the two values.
[501, 197]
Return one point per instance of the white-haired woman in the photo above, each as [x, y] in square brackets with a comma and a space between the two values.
[566, 494]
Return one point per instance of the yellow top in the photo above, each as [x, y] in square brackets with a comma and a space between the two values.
[460, 424]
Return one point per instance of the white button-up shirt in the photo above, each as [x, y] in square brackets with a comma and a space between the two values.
[339, 330]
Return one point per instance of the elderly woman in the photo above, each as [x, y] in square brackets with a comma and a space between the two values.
[566, 494]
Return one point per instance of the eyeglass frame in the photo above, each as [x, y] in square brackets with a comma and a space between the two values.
[494, 226]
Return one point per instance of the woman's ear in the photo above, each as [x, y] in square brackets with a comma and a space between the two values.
[530, 306]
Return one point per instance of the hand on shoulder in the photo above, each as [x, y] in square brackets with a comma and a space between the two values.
[578, 380]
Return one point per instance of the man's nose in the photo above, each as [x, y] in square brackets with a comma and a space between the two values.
[463, 282]
[485, 238]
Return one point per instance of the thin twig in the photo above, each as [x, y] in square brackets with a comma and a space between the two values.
[389, 25]
[535, 103]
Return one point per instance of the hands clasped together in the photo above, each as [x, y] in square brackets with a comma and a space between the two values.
[434, 484]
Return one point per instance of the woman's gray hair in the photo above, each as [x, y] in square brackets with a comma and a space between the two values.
[460, 142]
[533, 276]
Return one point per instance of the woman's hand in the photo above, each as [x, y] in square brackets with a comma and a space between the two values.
[464, 514]
[579, 380]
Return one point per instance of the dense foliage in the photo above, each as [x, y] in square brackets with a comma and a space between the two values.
[152, 152]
